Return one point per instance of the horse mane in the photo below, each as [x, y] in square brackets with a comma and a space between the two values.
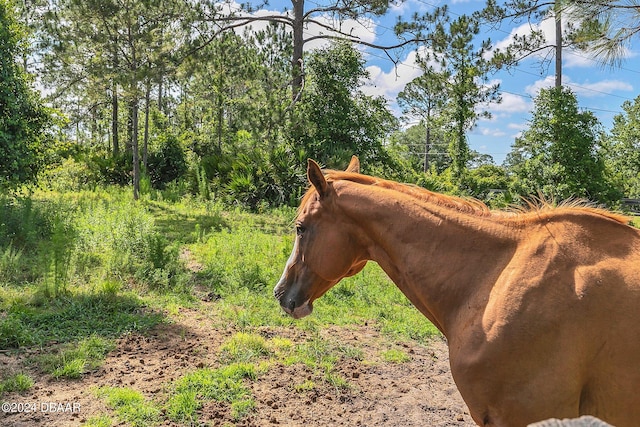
[532, 209]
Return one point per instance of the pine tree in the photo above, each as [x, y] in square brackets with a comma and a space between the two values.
[23, 118]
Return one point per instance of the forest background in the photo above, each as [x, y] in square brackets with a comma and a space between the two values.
[179, 98]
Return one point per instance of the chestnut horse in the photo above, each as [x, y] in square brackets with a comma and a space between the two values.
[541, 309]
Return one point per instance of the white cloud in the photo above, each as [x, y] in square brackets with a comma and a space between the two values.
[602, 88]
[534, 88]
[517, 126]
[486, 131]
[363, 29]
[587, 89]
[511, 103]
[389, 84]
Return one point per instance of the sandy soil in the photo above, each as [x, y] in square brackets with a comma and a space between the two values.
[419, 392]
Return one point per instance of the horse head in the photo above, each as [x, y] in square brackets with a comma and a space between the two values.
[324, 251]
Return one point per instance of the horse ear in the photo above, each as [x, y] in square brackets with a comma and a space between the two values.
[354, 165]
[316, 177]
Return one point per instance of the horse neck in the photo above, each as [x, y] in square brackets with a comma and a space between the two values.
[443, 260]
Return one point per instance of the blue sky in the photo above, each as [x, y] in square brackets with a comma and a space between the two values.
[599, 89]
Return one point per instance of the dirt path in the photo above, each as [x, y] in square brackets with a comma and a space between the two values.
[419, 392]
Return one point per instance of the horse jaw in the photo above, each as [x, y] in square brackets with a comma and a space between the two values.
[302, 310]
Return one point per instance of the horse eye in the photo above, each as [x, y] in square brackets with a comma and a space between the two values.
[300, 230]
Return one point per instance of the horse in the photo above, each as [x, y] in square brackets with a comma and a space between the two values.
[540, 308]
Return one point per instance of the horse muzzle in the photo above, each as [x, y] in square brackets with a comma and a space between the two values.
[290, 303]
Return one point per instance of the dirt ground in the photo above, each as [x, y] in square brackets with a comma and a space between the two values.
[419, 392]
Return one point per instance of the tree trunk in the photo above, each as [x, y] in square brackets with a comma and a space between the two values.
[160, 89]
[558, 16]
[114, 120]
[134, 149]
[130, 132]
[427, 146]
[298, 45]
[146, 125]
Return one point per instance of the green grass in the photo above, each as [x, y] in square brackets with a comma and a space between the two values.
[244, 347]
[225, 384]
[394, 356]
[16, 383]
[99, 421]
[74, 360]
[92, 266]
[131, 406]
[73, 317]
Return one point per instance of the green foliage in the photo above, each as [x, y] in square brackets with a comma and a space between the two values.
[623, 149]
[256, 179]
[167, 162]
[336, 119]
[98, 421]
[23, 118]
[10, 260]
[43, 319]
[111, 168]
[559, 156]
[24, 223]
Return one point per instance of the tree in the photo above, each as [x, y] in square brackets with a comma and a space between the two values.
[623, 149]
[466, 86]
[115, 47]
[336, 119]
[607, 27]
[24, 121]
[567, 34]
[424, 98]
[410, 144]
[559, 155]
[329, 18]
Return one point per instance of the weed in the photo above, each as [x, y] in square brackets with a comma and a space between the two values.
[14, 333]
[222, 385]
[10, 262]
[74, 360]
[98, 421]
[130, 405]
[307, 385]
[76, 317]
[241, 408]
[394, 356]
[243, 347]
[16, 383]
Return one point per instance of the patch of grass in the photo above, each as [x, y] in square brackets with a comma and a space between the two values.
[98, 421]
[10, 260]
[225, 384]
[130, 406]
[394, 356]
[78, 316]
[305, 386]
[244, 347]
[16, 383]
[14, 333]
[321, 356]
[73, 360]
